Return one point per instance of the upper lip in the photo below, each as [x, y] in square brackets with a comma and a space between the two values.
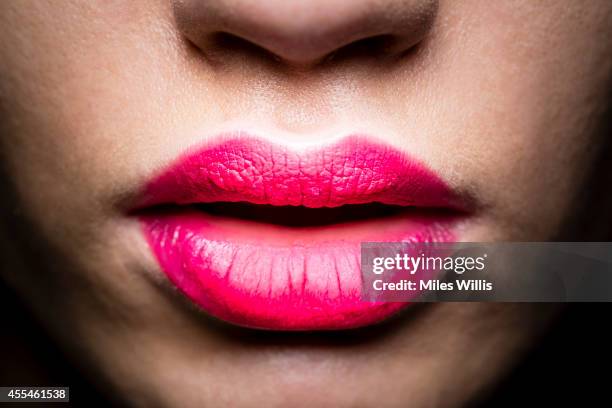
[258, 274]
[355, 170]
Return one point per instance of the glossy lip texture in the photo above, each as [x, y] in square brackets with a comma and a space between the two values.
[279, 277]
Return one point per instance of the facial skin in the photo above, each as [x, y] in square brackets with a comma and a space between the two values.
[506, 100]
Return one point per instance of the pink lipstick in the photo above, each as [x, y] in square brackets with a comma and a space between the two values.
[267, 236]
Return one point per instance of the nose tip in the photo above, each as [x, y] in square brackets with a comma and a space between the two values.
[304, 32]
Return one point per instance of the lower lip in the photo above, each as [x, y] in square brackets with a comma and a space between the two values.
[277, 278]
[274, 277]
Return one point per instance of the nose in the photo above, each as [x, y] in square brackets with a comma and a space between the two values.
[306, 31]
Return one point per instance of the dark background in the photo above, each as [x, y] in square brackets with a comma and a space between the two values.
[568, 367]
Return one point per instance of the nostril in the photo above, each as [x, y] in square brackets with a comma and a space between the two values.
[374, 47]
[222, 44]
[305, 33]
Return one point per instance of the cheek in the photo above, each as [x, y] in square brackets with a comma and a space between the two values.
[72, 119]
[514, 112]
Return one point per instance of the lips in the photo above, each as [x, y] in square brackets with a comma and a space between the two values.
[266, 236]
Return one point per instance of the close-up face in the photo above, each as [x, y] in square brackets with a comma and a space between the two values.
[186, 184]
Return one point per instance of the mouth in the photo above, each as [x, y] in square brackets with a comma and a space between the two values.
[265, 236]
